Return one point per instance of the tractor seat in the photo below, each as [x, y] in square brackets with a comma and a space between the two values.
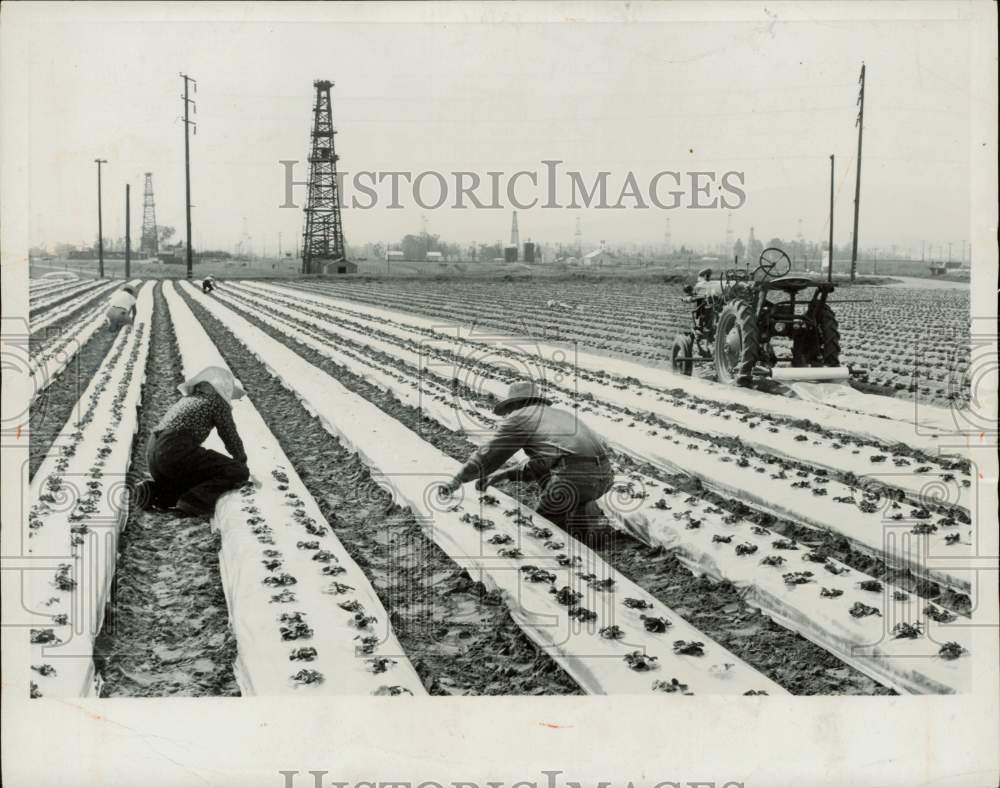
[791, 284]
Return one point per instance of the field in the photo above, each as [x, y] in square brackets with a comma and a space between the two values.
[754, 542]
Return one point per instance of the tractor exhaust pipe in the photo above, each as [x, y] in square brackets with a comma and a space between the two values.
[790, 374]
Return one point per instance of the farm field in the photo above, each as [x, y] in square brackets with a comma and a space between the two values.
[751, 544]
[899, 341]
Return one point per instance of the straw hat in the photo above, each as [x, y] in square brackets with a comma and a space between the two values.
[219, 378]
[520, 393]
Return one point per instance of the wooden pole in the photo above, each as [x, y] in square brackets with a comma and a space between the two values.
[857, 181]
[100, 224]
[829, 271]
[128, 235]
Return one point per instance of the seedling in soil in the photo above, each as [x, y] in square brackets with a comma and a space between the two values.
[636, 604]
[510, 552]
[564, 560]
[772, 560]
[607, 584]
[34, 692]
[305, 676]
[307, 654]
[45, 670]
[284, 579]
[723, 539]
[553, 545]
[692, 524]
[536, 575]
[746, 548]
[500, 539]
[337, 588]
[60, 619]
[489, 500]
[307, 545]
[640, 662]
[814, 557]
[315, 530]
[797, 578]
[870, 585]
[380, 664]
[900, 596]
[479, 523]
[271, 564]
[692, 648]
[62, 579]
[861, 610]
[940, 615]
[333, 570]
[831, 593]
[613, 632]
[784, 544]
[655, 623]
[671, 686]
[833, 569]
[393, 690]
[368, 644]
[951, 650]
[582, 613]
[566, 595]
[351, 606]
[954, 538]
[284, 596]
[661, 504]
[325, 556]
[760, 530]
[755, 692]
[911, 631]
[361, 621]
[541, 533]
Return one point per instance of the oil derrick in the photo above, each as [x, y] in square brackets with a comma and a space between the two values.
[578, 237]
[515, 236]
[668, 244]
[323, 238]
[149, 245]
[730, 238]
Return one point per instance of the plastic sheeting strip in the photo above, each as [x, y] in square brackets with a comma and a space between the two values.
[279, 558]
[601, 640]
[79, 508]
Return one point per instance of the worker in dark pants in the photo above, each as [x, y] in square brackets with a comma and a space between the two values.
[564, 455]
[186, 477]
[208, 284]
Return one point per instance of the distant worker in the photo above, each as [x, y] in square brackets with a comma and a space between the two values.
[705, 287]
[121, 308]
[186, 477]
[564, 455]
[208, 284]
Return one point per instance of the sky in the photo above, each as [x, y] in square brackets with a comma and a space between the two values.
[771, 97]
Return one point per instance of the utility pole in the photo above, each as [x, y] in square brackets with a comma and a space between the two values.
[128, 235]
[100, 226]
[187, 164]
[829, 271]
[860, 123]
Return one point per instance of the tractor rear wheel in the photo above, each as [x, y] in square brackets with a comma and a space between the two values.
[822, 350]
[681, 353]
[737, 343]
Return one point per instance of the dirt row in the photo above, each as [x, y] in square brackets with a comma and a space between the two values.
[460, 638]
[716, 608]
[166, 632]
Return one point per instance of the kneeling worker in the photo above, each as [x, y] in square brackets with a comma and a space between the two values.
[186, 476]
[208, 284]
[121, 308]
[569, 460]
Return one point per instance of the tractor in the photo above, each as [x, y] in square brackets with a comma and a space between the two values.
[735, 325]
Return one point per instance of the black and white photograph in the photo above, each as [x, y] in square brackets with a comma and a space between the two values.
[437, 368]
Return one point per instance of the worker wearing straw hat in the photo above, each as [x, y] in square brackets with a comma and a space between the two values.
[186, 476]
[121, 308]
[564, 455]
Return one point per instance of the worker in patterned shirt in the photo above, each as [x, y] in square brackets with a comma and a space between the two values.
[186, 476]
[565, 456]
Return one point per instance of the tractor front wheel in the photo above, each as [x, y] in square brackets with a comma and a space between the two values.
[737, 343]
[822, 350]
[681, 354]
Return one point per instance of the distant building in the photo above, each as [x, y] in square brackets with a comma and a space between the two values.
[393, 255]
[600, 257]
[434, 257]
[339, 267]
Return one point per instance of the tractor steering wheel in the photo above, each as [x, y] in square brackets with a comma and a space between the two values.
[772, 259]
